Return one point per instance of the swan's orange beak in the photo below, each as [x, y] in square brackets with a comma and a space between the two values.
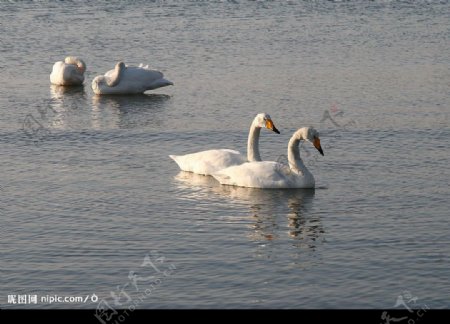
[316, 144]
[271, 126]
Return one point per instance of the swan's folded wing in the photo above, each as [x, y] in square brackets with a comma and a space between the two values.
[56, 77]
[208, 162]
[73, 75]
[141, 74]
[264, 174]
[142, 79]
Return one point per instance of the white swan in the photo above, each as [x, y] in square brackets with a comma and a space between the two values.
[67, 73]
[128, 80]
[211, 161]
[269, 174]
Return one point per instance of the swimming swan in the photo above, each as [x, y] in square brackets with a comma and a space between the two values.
[128, 80]
[211, 161]
[269, 174]
[67, 73]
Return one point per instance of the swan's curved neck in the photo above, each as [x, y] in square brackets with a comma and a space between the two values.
[295, 162]
[115, 78]
[253, 143]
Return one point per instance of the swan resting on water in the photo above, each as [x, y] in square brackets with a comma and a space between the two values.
[270, 174]
[68, 73]
[211, 161]
[128, 80]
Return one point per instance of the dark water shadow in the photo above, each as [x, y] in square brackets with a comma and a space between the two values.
[64, 108]
[273, 211]
[131, 102]
[57, 91]
[131, 111]
[270, 209]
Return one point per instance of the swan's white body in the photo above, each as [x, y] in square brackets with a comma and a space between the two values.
[211, 161]
[208, 162]
[68, 73]
[269, 174]
[128, 80]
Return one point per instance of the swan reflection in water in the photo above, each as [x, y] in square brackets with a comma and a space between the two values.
[64, 107]
[272, 211]
[128, 111]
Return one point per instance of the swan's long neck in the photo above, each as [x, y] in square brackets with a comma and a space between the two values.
[295, 162]
[253, 144]
[115, 78]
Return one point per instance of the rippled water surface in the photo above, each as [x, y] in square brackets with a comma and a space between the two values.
[92, 204]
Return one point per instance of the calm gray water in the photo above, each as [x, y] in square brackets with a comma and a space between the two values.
[92, 204]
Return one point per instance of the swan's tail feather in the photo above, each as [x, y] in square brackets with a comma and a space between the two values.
[177, 158]
[142, 66]
[160, 83]
[180, 161]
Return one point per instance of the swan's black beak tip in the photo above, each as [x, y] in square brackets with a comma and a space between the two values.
[276, 130]
[316, 143]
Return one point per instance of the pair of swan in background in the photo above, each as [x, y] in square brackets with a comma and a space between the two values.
[122, 79]
[231, 168]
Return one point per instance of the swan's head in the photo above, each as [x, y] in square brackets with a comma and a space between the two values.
[98, 83]
[119, 66]
[81, 66]
[311, 135]
[116, 76]
[102, 82]
[264, 120]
